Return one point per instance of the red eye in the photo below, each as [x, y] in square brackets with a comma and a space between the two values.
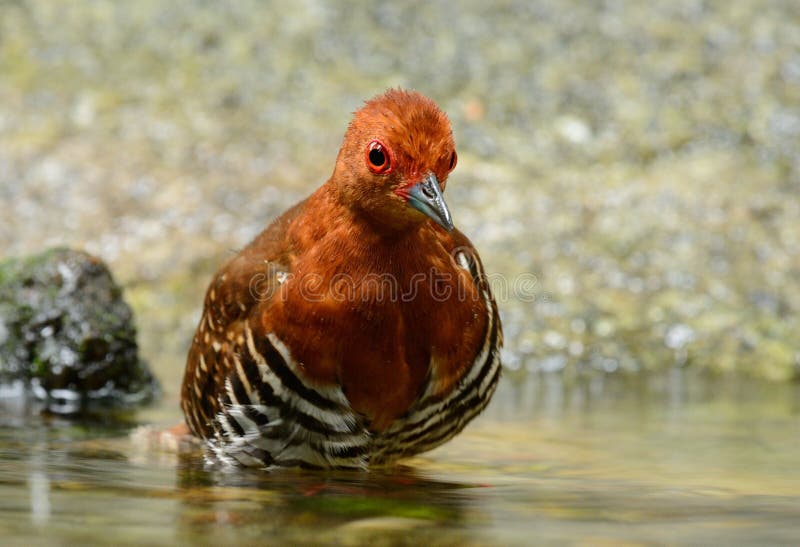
[453, 161]
[378, 158]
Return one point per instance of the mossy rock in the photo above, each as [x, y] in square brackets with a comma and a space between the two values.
[67, 334]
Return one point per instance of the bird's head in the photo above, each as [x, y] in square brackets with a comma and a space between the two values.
[394, 162]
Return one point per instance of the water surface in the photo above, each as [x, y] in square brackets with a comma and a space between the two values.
[671, 459]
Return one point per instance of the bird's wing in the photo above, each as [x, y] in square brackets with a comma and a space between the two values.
[242, 283]
[241, 390]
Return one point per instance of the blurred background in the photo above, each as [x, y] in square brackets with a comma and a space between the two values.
[643, 162]
[640, 159]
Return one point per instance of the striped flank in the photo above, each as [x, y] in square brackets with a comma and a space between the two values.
[270, 417]
[432, 422]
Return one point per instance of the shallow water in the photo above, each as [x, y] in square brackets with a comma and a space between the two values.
[670, 459]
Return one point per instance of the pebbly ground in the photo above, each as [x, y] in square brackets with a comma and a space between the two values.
[638, 163]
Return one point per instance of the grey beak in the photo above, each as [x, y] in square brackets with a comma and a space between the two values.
[426, 197]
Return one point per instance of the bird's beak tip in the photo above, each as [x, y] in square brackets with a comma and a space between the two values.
[426, 197]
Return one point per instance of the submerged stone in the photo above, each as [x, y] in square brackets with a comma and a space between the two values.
[67, 335]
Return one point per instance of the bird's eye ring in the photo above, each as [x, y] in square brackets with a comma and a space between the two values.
[453, 161]
[379, 159]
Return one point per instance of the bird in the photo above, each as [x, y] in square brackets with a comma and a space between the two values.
[359, 327]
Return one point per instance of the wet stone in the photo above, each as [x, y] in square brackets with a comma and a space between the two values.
[67, 337]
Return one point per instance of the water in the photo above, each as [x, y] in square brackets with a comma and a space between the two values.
[676, 459]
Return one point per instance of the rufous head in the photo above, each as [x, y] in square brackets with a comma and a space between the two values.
[394, 161]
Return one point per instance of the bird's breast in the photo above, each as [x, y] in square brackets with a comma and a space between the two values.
[382, 336]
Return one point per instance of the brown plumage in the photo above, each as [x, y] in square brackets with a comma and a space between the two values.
[358, 327]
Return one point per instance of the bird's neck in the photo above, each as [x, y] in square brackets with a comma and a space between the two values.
[365, 228]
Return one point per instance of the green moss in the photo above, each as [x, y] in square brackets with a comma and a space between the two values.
[68, 328]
